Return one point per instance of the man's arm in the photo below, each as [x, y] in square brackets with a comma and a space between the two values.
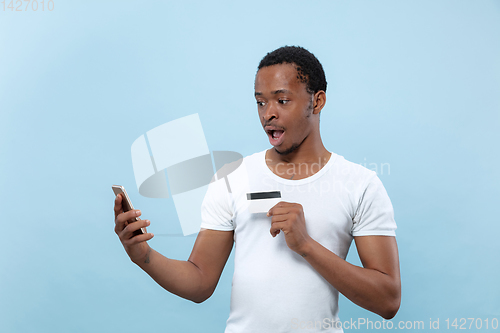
[375, 287]
[194, 279]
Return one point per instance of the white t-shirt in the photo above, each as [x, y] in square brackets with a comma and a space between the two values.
[275, 289]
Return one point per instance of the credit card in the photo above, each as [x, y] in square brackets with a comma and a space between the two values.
[261, 202]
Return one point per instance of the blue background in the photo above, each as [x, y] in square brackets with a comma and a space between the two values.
[414, 84]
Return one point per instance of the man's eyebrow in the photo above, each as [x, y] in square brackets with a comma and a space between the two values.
[279, 91]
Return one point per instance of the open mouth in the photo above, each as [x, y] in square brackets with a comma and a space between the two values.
[275, 137]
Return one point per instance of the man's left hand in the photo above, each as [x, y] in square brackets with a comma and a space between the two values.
[289, 217]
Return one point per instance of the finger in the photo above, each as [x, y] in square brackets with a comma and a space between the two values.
[128, 231]
[278, 211]
[130, 216]
[281, 205]
[271, 211]
[276, 228]
[139, 239]
[118, 205]
[280, 218]
[123, 219]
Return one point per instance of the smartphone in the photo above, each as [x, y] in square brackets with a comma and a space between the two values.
[127, 205]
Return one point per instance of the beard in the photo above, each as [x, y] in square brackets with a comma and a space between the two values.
[290, 150]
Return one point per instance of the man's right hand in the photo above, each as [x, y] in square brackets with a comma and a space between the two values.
[136, 246]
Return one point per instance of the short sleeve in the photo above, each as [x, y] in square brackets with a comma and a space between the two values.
[216, 209]
[374, 215]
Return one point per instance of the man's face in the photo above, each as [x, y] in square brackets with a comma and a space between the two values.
[285, 107]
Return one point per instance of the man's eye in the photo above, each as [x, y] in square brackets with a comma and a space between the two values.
[260, 103]
[283, 101]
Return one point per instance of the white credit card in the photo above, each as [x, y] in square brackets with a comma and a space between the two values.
[261, 202]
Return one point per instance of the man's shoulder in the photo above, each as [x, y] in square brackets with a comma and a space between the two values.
[347, 168]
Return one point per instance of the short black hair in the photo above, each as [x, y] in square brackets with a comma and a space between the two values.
[309, 69]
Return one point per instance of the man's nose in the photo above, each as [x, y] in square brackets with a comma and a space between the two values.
[270, 112]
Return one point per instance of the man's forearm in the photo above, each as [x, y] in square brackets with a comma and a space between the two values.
[369, 288]
[182, 278]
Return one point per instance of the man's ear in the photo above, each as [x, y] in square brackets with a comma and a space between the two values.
[319, 101]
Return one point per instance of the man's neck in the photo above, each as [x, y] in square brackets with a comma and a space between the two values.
[301, 155]
[299, 164]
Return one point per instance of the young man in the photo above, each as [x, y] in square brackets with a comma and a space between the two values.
[289, 263]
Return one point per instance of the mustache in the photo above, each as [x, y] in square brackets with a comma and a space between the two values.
[270, 123]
